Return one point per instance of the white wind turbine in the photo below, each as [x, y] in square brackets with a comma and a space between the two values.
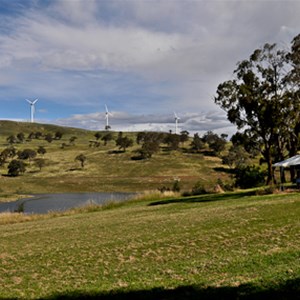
[32, 109]
[107, 114]
[176, 122]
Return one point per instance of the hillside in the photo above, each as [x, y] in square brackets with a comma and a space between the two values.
[106, 168]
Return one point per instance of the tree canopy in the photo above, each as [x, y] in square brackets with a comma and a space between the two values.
[262, 100]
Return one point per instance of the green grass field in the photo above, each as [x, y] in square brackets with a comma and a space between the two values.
[226, 246]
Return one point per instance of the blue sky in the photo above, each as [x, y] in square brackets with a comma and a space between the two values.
[144, 59]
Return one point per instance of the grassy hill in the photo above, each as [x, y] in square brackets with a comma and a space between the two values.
[226, 246]
[106, 169]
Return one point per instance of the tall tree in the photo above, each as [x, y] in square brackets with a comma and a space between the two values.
[291, 107]
[253, 99]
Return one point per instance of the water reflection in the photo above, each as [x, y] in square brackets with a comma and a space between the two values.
[44, 203]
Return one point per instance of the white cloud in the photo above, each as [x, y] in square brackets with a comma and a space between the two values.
[120, 121]
[142, 57]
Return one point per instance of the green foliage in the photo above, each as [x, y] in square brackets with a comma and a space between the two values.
[98, 135]
[124, 142]
[263, 101]
[197, 144]
[41, 150]
[236, 157]
[107, 137]
[16, 167]
[58, 135]
[40, 163]
[176, 185]
[49, 137]
[172, 140]
[27, 154]
[12, 139]
[215, 142]
[249, 176]
[21, 137]
[199, 189]
[82, 158]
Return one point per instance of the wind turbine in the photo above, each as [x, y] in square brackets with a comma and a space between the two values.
[176, 122]
[107, 114]
[32, 109]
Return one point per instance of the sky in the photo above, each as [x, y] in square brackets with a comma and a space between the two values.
[144, 59]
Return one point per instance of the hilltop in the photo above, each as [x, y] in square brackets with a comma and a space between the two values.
[106, 167]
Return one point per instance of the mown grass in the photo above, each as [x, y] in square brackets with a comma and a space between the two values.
[229, 246]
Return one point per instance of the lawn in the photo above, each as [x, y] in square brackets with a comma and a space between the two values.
[227, 246]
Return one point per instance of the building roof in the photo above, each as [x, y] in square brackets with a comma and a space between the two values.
[292, 161]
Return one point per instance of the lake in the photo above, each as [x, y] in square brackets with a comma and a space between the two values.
[44, 203]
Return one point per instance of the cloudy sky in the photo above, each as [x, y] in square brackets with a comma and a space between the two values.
[144, 59]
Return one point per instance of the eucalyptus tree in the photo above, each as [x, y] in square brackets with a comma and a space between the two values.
[292, 99]
[253, 100]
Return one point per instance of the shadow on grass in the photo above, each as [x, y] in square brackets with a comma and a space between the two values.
[288, 290]
[205, 198]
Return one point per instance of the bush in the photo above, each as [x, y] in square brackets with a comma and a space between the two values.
[176, 186]
[249, 176]
[199, 189]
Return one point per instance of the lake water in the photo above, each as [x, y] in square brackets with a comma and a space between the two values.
[44, 203]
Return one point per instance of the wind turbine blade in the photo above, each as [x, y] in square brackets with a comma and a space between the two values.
[106, 109]
[35, 101]
[28, 101]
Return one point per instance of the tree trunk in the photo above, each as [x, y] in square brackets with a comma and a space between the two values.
[270, 178]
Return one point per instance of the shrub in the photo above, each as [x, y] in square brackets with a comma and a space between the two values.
[249, 176]
[176, 186]
[199, 189]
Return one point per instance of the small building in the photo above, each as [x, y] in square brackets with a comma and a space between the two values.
[288, 163]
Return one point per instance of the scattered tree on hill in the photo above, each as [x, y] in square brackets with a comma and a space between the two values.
[106, 138]
[41, 150]
[124, 142]
[12, 139]
[58, 135]
[72, 140]
[81, 158]
[184, 136]
[97, 135]
[197, 143]
[40, 163]
[94, 144]
[27, 154]
[16, 167]
[21, 137]
[215, 142]
[172, 140]
[151, 143]
[49, 137]
[9, 152]
[2, 160]
[140, 137]
[237, 156]
[38, 135]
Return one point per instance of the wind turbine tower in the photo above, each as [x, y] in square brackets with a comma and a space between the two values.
[32, 109]
[107, 114]
[176, 122]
